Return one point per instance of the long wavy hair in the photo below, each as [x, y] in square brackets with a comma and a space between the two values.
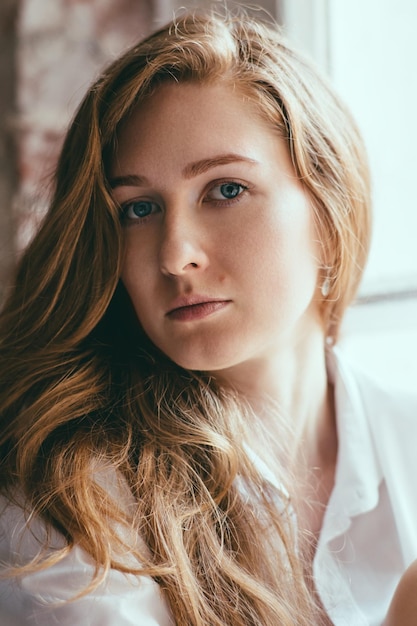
[84, 395]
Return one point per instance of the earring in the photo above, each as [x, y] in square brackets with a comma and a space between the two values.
[325, 287]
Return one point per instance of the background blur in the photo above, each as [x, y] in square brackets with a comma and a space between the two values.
[50, 51]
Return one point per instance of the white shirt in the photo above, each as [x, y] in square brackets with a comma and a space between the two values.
[368, 538]
[369, 532]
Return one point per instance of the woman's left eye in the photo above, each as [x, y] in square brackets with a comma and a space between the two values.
[226, 191]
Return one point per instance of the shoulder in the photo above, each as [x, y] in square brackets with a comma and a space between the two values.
[21, 534]
[379, 419]
[385, 406]
[51, 595]
[377, 424]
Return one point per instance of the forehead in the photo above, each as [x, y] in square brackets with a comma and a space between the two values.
[199, 99]
[192, 120]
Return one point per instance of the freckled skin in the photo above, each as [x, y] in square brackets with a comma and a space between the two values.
[258, 250]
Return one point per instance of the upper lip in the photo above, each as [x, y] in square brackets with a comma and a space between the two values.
[184, 301]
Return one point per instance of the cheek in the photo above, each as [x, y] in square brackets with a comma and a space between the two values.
[135, 279]
[283, 259]
[281, 245]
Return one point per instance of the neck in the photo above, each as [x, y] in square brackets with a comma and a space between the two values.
[294, 382]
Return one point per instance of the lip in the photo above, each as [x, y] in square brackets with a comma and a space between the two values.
[193, 307]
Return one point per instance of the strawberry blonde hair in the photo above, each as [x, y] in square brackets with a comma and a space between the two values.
[85, 396]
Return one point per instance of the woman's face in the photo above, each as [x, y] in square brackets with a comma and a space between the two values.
[221, 252]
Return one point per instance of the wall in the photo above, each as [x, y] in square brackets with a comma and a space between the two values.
[373, 49]
[60, 47]
[8, 161]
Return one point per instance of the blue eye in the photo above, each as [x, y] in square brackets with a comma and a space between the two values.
[230, 190]
[226, 191]
[138, 209]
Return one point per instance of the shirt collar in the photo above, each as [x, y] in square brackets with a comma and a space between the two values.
[358, 473]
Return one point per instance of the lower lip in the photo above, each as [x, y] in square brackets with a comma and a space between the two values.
[197, 311]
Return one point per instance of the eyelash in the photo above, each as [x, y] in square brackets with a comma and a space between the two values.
[125, 207]
[216, 202]
[227, 201]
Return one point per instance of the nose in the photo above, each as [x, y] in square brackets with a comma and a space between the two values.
[182, 247]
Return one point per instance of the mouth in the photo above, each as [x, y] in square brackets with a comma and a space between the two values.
[197, 309]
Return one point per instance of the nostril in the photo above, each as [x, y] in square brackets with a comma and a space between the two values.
[178, 255]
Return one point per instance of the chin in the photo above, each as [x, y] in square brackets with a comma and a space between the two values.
[195, 365]
[206, 362]
[206, 353]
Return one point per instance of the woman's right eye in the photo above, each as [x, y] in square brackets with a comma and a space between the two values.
[138, 209]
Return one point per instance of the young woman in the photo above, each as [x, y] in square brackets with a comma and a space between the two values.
[181, 443]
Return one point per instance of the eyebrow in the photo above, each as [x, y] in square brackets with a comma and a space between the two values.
[130, 180]
[199, 167]
[190, 171]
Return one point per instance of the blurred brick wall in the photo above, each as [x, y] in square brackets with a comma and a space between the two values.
[62, 45]
[8, 159]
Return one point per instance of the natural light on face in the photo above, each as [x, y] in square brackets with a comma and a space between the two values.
[221, 254]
